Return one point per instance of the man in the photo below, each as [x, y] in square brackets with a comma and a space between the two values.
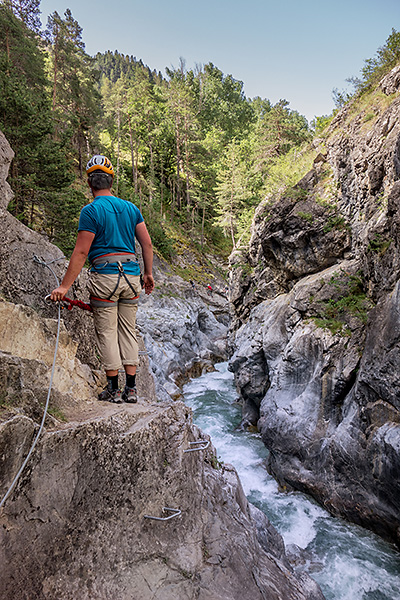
[106, 234]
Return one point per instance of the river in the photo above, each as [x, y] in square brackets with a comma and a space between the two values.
[348, 562]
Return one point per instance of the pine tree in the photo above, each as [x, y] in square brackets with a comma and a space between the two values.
[233, 190]
[39, 169]
[75, 99]
[28, 11]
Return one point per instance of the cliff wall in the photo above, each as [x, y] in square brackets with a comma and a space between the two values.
[315, 328]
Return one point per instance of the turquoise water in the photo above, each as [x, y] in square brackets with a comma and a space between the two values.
[348, 562]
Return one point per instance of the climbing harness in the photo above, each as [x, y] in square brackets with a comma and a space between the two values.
[18, 475]
[99, 263]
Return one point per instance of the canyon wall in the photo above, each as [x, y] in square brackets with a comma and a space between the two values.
[315, 319]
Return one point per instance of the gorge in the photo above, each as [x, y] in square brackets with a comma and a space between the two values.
[314, 346]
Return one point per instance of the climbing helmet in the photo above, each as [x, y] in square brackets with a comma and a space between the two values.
[98, 162]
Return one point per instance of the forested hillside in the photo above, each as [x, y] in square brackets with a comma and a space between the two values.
[188, 148]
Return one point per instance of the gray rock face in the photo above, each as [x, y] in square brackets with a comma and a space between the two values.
[315, 333]
[184, 332]
[82, 506]
[22, 281]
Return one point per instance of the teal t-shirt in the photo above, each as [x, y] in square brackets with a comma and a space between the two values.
[113, 221]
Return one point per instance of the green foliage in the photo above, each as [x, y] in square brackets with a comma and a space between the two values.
[116, 66]
[306, 216]
[216, 462]
[222, 103]
[74, 97]
[321, 124]
[27, 11]
[61, 216]
[159, 238]
[40, 166]
[348, 299]
[369, 116]
[334, 325]
[387, 56]
[285, 171]
[57, 413]
[297, 193]
[378, 244]
[335, 222]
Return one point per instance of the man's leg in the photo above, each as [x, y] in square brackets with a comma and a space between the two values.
[105, 315]
[128, 345]
[106, 329]
[105, 323]
[128, 348]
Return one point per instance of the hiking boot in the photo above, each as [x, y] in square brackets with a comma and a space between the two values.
[108, 395]
[129, 395]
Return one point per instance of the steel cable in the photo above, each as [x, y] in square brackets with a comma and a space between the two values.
[18, 475]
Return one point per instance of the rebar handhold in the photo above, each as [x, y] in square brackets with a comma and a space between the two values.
[205, 444]
[176, 512]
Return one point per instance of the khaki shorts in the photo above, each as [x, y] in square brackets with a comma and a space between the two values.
[115, 322]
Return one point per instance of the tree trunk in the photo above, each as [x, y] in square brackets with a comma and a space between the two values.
[202, 226]
[162, 189]
[134, 173]
[55, 69]
[231, 203]
[80, 135]
[173, 201]
[151, 172]
[8, 50]
[187, 168]
[118, 144]
[178, 162]
[136, 166]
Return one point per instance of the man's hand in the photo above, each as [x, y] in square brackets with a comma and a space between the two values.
[79, 255]
[148, 283]
[59, 293]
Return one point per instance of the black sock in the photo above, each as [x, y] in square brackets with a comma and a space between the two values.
[130, 381]
[112, 382]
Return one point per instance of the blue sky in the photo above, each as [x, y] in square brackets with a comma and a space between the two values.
[294, 49]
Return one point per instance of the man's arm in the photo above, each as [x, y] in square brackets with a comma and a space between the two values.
[147, 252]
[78, 257]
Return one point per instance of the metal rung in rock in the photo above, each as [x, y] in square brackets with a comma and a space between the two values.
[203, 447]
[176, 512]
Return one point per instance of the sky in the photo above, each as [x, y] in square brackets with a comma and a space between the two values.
[299, 50]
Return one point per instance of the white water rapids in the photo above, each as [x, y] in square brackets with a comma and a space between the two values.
[348, 562]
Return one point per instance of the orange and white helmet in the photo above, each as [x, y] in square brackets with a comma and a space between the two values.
[98, 162]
